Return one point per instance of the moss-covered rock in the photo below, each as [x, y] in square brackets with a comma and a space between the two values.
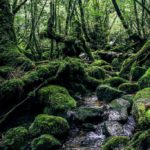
[140, 139]
[45, 124]
[56, 99]
[45, 142]
[141, 112]
[96, 72]
[115, 81]
[115, 142]
[10, 92]
[107, 93]
[16, 138]
[137, 72]
[144, 93]
[87, 114]
[144, 81]
[129, 88]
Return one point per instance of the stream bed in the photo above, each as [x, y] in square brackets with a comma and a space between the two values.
[94, 121]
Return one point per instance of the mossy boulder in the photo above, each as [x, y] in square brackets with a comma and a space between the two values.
[46, 124]
[16, 138]
[144, 93]
[10, 92]
[45, 142]
[107, 93]
[141, 107]
[115, 142]
[96, 72]
[56, 99]
[137, 72]
[144, 81]
[115, 81]
[129, 88]
[88, 114]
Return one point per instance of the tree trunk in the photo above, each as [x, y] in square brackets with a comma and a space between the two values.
[9, 52]
[7, 33]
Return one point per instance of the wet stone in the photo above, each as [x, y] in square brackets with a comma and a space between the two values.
[114, 128]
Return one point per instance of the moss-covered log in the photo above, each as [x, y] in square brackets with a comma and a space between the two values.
[142, 54]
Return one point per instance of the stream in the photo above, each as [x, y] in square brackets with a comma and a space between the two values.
[94, 121]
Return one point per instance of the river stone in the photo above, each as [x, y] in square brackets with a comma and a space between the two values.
[117, 104]
[88, 114]
[107, 93]
[113, 128]
[120, 115]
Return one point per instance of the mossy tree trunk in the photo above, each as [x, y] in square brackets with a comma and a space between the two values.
[10, 54]
[7, 34]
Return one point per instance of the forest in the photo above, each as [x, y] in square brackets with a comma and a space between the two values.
[74, 74]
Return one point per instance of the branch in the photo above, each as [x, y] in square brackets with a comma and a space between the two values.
[148, 11]
[19, 6]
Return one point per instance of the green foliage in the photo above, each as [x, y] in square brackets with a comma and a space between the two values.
[45, 124]
[16, 138]
[115, 81]
[115, 141]
[107, 93]
[56, 99]
[144, 81]
[129, 88]
[45, 142]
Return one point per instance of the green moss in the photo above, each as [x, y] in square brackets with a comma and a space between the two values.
[137, 72]
[56, 99]
[99, 63]
[45, 124]
[129, 88]
[96, 72]
[31, 77]
[16, 138]
[107, 93]
[45, 142]
[140, 139]
[115, 81]
[115, 141]
[142, 94]
[107, 68]
[141, 112]
[144, 81]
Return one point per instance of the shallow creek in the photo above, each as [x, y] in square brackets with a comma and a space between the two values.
[91, 134]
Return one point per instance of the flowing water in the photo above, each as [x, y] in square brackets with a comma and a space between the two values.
[91, 135]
